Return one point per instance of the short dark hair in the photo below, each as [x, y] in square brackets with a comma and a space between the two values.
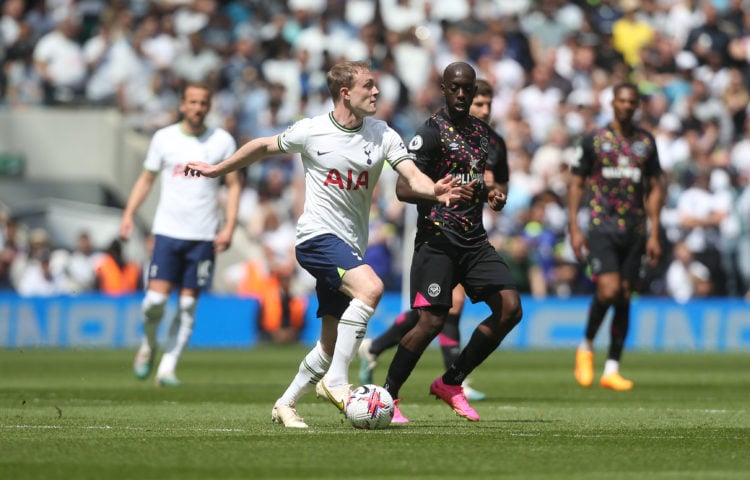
[626, 85]
[484, 89]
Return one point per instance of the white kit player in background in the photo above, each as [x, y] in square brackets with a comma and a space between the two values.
[343, 154]
[188, 227]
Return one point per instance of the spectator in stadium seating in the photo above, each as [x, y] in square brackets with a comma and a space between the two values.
[281, 313]
[686, 277]
[343, 154]
[502, 71]
[740, 151]
[550, 161]
[197, 62]
[736, 97]
[188, 229]
[539, 102]
[631, 34]
[81, 265]
[39, 280]
[701, 108]
[411, 35]
[115, 275]
[110, 57]
[618, 170]
[547, 27]
[701, 213]
[542, 241]
[11, 23]
[61, 63]
[271, 279]
[708, 37]
[29, 246]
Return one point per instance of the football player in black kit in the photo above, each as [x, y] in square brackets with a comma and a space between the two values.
[496, 172]
[451, 245]
[618, 172]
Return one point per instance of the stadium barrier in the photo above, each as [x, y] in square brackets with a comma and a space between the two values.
[226, 321]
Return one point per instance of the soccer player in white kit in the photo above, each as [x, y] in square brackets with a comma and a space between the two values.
[343, 153]
[187, 226]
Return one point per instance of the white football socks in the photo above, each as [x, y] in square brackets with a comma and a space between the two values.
[351, 330]
[611, 366]
[179, 335]
[153, 310]
[311, 370]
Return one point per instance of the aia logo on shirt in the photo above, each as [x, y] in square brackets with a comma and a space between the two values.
[350, 180]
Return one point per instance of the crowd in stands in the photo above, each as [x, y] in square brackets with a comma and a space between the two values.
[552, 65]
[33, 267]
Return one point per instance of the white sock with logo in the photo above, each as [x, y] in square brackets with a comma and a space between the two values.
[311, 370]
[351, 330]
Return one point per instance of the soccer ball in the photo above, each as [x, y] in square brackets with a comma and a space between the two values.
[369, 407]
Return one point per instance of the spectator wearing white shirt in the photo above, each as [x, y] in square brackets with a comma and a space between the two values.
[39, 280]
[61, 63]
[700, 215]
[740, 153]
[110, 58]
[686, 277]
[540, 101]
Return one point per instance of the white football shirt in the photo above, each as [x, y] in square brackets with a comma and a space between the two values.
[188, 206]
[341, 169]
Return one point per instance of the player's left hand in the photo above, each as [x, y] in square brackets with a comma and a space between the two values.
[223, 240]
[496, 199]
[196, 169]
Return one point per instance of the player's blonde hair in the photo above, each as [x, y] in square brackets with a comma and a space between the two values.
[342, 75]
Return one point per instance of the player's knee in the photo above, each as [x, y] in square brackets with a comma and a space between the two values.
[512, 310]
[608, 294]
[368, 290]
[153, 306]
[376, 289]
[431, 323]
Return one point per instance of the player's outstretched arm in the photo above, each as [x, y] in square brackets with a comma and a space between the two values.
[414, 186]
[249, 153]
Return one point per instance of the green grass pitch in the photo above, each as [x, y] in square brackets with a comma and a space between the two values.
[80, 414]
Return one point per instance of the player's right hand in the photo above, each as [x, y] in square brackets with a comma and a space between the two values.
[449, 191]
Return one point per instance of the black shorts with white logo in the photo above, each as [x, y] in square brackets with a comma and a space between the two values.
[437, 267]
[611, 252]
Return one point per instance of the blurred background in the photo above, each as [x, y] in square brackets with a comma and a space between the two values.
[84, 84]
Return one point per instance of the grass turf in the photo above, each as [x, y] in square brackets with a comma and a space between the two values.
[80, 414]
